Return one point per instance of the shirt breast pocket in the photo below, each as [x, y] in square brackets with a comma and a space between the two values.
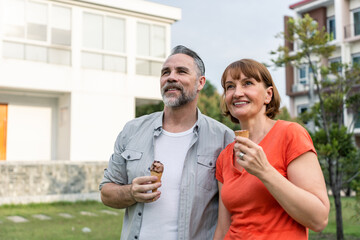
[205, 173]
[133, 167]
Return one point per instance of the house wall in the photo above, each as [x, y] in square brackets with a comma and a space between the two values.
[78, 111]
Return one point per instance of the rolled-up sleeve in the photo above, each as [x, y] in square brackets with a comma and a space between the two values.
[116, 170]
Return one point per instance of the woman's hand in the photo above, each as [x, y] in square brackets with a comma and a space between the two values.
[251, 157]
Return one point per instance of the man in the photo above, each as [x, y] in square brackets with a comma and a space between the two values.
[187, 143]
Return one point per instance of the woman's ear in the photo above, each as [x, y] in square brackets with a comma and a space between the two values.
[269, 94]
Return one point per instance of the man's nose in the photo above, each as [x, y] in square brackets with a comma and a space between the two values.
[172, 77]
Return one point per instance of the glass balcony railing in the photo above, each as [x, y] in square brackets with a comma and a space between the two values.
[300, 87]
[352, 30]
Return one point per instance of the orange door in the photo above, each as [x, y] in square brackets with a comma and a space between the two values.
[3, 126]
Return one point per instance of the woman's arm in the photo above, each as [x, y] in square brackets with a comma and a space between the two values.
[224, 219]
[303, 195]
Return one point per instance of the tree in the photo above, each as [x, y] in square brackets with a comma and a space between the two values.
[209, 104]
[148, 108]
[330, 95]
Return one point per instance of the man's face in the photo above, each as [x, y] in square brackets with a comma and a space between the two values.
[179, 80]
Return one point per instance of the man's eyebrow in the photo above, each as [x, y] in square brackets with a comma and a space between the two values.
[182, 68]
[164, 69]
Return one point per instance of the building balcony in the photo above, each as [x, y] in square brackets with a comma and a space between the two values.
[352, 32]
[300, 87]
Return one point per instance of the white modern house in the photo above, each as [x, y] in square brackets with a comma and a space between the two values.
[71, 75]
[72, 72]
[341, 18]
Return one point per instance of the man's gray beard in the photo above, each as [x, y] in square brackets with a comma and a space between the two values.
[183, 99]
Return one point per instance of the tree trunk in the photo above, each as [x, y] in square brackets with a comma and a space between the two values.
[339, 220]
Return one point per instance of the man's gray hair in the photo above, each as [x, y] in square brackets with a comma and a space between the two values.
[198, 62]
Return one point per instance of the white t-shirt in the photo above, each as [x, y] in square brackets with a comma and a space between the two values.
[160, 217]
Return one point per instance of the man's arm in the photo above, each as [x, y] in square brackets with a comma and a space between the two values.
[122, 196]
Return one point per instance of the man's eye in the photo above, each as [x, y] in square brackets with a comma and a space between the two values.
[164, 73]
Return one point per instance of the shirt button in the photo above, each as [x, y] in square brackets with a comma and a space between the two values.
[210, 163]
[128, 156]
[136, 237]
[139, 213]
[149, 168]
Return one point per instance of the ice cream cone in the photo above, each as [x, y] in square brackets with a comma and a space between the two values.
[157, 169]
[158, 174]
[242, 133]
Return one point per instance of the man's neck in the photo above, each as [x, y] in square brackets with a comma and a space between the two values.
[179, 119]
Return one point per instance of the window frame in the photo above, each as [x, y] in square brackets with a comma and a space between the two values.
[47, 44]
[102, 52]
[331, 31]
[356, 28]
[152, 61]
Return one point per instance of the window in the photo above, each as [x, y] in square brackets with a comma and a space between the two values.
[357, 124]
[37, 31]
[103, 42]
[303, 74]
[336, 63]
[151, 49]
[302, 108]
[356, 22]
[331, 28]
[356, 59]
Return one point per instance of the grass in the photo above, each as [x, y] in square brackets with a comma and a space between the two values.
[351, 224]
[105, 226]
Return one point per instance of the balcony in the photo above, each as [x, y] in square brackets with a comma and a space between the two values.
[300, 88]
[352, 32]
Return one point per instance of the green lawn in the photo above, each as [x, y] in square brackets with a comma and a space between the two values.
[350, 222]
[102, 226]
[108, 226]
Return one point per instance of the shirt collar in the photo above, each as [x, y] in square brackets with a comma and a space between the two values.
[159, 119]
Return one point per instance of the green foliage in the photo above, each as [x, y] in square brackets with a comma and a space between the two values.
[209, 104]
[312, 40]
[335, 91]
[285, 115]
[148, 108]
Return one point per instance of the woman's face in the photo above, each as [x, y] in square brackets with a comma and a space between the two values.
[246, 98]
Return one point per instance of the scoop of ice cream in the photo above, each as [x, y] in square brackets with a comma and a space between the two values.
[157, 166]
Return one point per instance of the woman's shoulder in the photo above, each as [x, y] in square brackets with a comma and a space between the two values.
[287, 125]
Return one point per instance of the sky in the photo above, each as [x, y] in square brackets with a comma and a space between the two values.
[222, 32]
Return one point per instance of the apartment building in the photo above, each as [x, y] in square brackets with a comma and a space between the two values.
[72, 73]
[341, 18]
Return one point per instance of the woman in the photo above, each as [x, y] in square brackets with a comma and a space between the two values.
[271, 183]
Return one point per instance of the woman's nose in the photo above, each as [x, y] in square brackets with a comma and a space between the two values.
[239, 91]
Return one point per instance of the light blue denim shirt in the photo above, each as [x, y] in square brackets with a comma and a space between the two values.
[134, 154]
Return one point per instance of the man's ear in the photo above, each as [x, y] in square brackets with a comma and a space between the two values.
[202, 81]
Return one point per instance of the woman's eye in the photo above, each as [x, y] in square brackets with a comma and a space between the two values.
[248, 83]
[229, 87]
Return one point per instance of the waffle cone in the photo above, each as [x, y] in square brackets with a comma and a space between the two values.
[242, 133]
[159, 177]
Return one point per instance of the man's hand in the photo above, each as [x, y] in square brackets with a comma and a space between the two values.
[141, 188]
